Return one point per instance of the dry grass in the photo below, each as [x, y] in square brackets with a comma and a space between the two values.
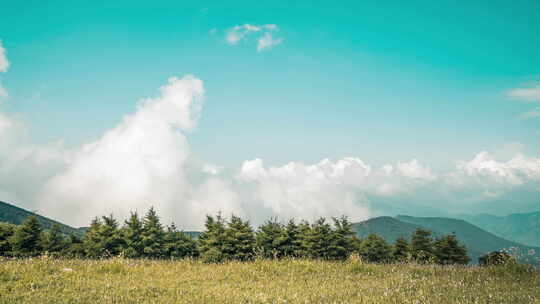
[291, 281]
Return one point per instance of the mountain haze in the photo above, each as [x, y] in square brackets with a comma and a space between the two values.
[519, 227]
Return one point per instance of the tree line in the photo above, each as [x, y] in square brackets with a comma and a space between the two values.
[225, 240]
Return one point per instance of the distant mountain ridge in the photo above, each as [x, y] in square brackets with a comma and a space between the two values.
[519, 227]
[15, 215]
[477, 240]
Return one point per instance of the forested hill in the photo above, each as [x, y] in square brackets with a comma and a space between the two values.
[15, 215]
[477, 240]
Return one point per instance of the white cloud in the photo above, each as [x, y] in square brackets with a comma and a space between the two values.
[307, 191]
[516, 171]
[263, 34]
[267, 41]
[139, 162]
[535, 113]
[526, 94]
[4, 63]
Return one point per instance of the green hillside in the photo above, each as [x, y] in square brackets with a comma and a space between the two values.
[523, 228]
[16, 215]
[477, 240]
[388, 227]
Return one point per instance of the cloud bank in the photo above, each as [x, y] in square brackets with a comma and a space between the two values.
[146, 160]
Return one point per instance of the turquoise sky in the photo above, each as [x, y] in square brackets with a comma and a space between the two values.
[379, 80]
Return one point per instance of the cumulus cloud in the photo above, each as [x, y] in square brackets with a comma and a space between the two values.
[263, 34]
[307, 191]
[139, 162]
[516, 171]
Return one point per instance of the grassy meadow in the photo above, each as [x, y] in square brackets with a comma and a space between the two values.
[45, 280]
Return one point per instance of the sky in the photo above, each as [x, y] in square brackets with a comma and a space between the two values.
[284, 109]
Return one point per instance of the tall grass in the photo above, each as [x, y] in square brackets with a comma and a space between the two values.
[119, 280]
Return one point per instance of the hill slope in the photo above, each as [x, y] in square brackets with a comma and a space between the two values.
[523, 228]
[16, 215]
[477, 240]
[388, 227]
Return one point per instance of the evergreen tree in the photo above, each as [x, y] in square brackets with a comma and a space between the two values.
[74, 247]
[178, 244]
[342, 242]
[318, 240]
[496, 258]
[402, 250]
[25, 241]
[6, 231]
[422, 246]
[271, 239]
[303, 234]
[291, 243]
[375, 249]
[449, 251]
[111, 238]
[211, 241]
[92, 240]
[132, 233]
[153, 235]
[239, 243]
[53, 241]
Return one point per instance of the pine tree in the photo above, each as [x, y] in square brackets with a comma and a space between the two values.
[53, 241]
[178, 244]
[239, 243]
[291, 243]
[111, 239]
[375, 249]
[92, 240]
[422, 246]
[402, 250]
[132, 233]
[153, 236]
[74, 247]
[6, 231]
[342, 242]
[318, 240]
[304, 235]
[211, 241]
[271, 239]
[449, 251]
[25, 241]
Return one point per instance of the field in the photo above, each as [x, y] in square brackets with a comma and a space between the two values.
[46, 280]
